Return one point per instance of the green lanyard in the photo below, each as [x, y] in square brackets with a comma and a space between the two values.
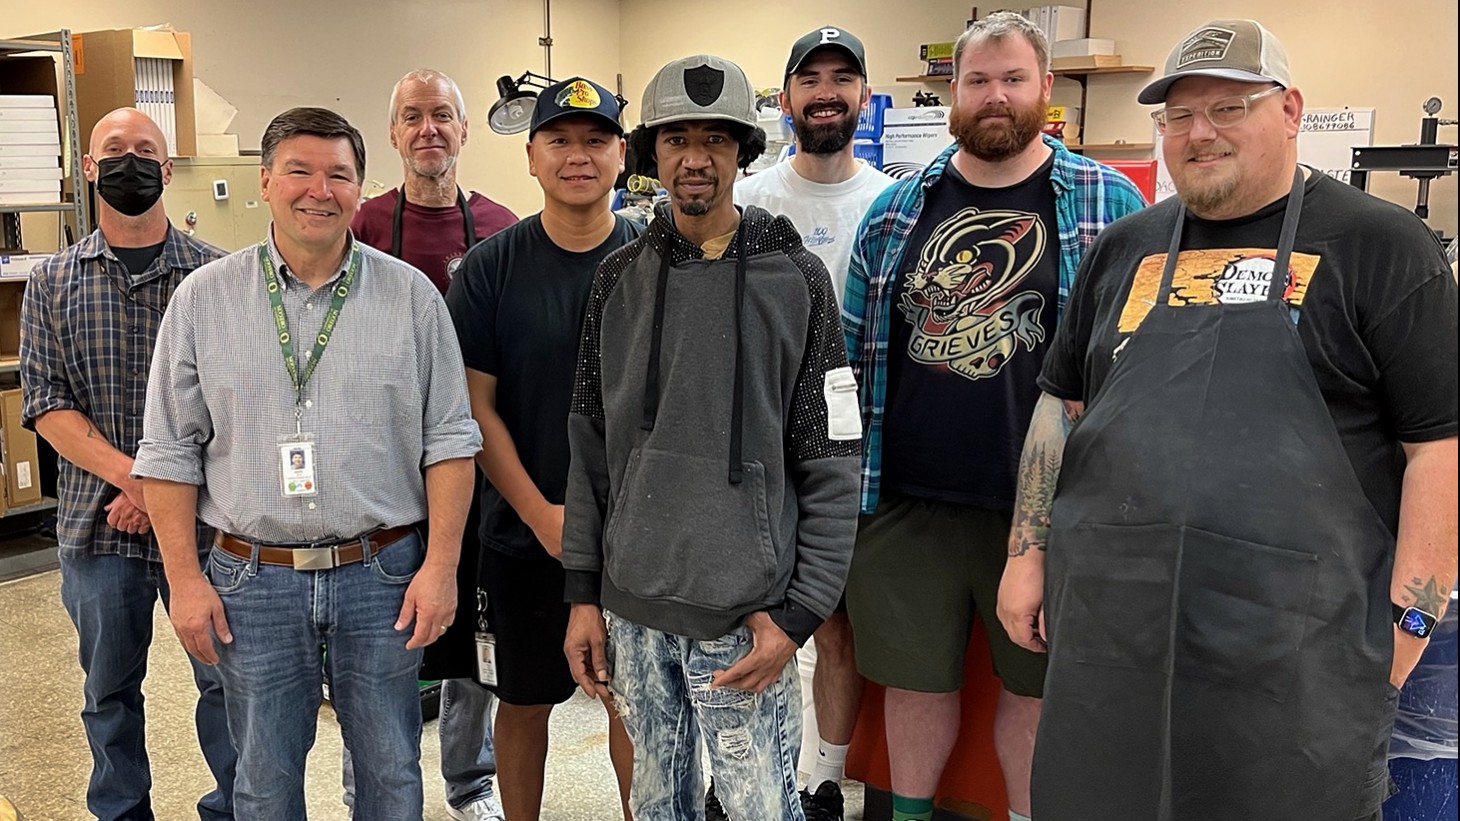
[286, 342]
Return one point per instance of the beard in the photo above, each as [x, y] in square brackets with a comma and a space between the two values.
[696, 206]
[828, 137]
[1205, 191]
[431, 169]
[996, 140]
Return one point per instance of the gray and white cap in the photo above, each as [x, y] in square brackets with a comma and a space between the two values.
[1231, 49]
[701, 87]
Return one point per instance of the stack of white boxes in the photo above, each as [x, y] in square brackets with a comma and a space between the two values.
[30, 150]
[1058, 22]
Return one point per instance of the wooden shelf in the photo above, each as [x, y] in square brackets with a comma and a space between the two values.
[1078, 147]
[1081, 72]
[1058, 72]
[926, 78]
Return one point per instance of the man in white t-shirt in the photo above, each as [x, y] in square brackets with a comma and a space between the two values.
[823, 188]
[825, 191]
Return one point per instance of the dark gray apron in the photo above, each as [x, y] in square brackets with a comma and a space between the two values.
[1217, 584]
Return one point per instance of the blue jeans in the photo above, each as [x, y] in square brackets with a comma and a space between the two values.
[287, 624]
[661, 686]
[465, 730]
[111, 600]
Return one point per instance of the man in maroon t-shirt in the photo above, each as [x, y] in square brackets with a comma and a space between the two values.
[429, 228]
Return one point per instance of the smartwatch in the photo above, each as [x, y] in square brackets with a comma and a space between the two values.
[1414, 621]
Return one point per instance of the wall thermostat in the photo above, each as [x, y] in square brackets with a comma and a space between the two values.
[220, 190]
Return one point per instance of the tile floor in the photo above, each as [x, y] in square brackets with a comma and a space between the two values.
[44, 760]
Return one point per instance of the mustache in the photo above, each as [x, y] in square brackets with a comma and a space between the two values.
[837, 106]
[696, 176]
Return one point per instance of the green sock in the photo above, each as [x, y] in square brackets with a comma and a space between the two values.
[911, 809]
[1014, 816]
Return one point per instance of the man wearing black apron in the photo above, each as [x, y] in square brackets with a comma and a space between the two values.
[1250, 520]
[431, 223]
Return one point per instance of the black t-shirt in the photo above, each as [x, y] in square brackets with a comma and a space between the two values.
[1371, 293]
[137, 260]
[975, 310]
[517, 303]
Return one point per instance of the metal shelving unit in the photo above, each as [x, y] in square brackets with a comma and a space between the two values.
[57, 43]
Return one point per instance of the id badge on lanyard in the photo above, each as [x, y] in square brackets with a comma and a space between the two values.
[296, 452]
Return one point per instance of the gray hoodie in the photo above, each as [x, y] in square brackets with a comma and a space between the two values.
[718, 477]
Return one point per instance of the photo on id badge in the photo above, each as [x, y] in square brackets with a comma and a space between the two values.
[296, 465]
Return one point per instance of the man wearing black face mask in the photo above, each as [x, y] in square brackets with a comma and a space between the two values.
[90, 319]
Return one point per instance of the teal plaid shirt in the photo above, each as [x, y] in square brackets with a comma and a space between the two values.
[1088, 197]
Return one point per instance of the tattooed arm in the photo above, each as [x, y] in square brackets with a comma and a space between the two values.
[1425, 558]
[1021, 591]
[78, 440]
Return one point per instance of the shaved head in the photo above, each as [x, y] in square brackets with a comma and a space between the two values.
[127, 127]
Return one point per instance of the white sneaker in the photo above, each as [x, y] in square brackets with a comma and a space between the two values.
[483, 809]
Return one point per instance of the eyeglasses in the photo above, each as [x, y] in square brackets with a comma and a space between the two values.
[1175, 120]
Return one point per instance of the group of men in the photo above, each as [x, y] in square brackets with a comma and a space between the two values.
[1176, 458]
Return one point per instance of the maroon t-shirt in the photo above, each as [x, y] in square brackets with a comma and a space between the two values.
[432, 239]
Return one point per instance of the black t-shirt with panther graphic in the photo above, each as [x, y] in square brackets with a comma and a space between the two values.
[974, 313]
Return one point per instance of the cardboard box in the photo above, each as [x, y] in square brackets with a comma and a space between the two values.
[912, 137]
[1084, 62]
[1082, 47]
[11, 294]
[28, 101]
[936, 51]
[22, 463]
[1062, 113]
[106, 77]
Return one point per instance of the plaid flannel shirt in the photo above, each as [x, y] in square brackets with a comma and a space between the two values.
[87, 333]
[1088, 197]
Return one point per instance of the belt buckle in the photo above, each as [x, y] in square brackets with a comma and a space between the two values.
[314, 558]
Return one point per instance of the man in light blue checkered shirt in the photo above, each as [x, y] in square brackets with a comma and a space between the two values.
[313, 342]
[89, 320]
[957, 281]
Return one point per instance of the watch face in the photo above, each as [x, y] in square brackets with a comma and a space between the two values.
[1417, 623]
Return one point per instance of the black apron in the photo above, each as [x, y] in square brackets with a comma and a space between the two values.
[1217, 584]
[397, 219]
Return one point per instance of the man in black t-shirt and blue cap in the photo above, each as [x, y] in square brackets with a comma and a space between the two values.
[517, 304]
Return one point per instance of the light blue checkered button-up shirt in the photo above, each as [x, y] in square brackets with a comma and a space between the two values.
[387, 400]
[1087, 196]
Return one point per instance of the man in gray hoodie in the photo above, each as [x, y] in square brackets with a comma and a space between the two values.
[715, 441]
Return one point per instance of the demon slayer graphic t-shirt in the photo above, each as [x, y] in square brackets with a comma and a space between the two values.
[1367, 285]
[973, 313]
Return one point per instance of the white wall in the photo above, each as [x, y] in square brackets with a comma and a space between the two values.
[271, 54]
[268, 55]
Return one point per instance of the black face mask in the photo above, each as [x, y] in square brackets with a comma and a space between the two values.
[129, 183]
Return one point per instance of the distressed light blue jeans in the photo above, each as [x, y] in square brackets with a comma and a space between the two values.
[661, 686]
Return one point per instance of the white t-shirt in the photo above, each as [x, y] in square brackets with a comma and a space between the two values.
[827, 215]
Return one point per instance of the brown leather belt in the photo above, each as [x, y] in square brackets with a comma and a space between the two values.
[317, 556]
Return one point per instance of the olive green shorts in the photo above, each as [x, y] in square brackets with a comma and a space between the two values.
[920, 571]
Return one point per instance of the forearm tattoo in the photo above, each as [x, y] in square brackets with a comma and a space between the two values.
[1039, 471]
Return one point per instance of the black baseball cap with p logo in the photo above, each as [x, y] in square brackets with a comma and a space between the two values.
[827, 37]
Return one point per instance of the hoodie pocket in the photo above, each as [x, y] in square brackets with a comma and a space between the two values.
[680, 531]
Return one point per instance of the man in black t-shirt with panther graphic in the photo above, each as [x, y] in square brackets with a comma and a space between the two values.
[518, 304]
[1251, 531]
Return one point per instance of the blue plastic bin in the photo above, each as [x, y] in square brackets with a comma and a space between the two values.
[869, 122]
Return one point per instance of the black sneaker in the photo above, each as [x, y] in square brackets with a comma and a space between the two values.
[825, 805]
[714, 810]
